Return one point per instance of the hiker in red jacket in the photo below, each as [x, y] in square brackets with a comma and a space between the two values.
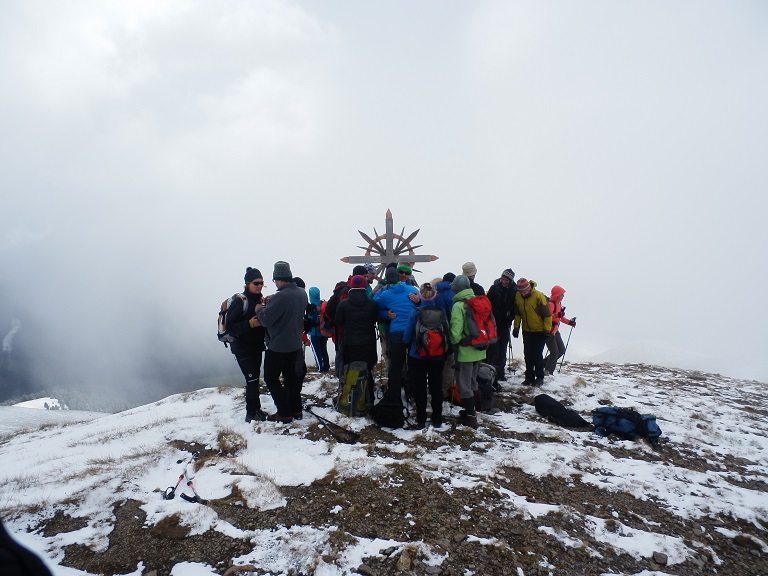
[555, 343]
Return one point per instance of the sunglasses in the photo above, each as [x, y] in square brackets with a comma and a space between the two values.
[258, 283]
[401, 272]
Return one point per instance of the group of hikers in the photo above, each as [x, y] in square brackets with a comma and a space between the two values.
[434, 336]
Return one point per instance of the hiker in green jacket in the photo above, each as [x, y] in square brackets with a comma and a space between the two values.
[468, 358]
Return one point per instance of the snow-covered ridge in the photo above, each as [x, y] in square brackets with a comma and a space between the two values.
[134, 455]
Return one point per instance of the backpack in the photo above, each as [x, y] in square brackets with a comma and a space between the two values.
[389, 411]
[559, 414]
[340, 292]
[626, 423]
[354, 395]
[480, 323]
[324, 331]
[311, 318]
[431, 332]
[224, 336]
[484, 394]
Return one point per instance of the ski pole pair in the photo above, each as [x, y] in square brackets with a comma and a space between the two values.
[170, 492]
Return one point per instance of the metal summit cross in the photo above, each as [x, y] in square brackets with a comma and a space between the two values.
[385, 249]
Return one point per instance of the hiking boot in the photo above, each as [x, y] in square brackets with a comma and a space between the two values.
[277, 418]
[437, 422]
[526, 382]
[298, 415]
[258, 416]
[538, 382]
[469, 420]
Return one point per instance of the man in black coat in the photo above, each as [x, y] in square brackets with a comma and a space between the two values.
[502, 297]
[357, 316]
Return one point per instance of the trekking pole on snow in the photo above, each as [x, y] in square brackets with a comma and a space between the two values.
[566, 348]
[170, 492]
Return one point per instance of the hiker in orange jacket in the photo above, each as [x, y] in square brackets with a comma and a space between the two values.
[555, 343]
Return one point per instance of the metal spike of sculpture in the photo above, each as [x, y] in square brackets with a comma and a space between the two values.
[389, 247]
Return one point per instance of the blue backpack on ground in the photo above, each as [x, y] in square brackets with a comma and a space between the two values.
[625, 423]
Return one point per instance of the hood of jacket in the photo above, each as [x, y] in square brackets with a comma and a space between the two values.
[314, 295]
[557, 291]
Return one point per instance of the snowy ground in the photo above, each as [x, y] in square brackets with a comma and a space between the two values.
[82, 463]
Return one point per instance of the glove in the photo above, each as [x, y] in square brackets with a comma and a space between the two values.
[516, 332]
[573, 323]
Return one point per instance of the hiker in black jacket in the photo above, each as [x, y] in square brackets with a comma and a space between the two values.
[357, 316]
[502, 297]
[249, 341]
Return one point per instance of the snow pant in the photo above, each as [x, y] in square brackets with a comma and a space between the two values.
[449, 375]
[384, 346]
[398, 356]
[251, 367]
[556, 348]
[497, 353]
[362, 352]
[466, 380]
[533, 352]
[427, 374]
[285, 394]
[320, 352]
[338, 359]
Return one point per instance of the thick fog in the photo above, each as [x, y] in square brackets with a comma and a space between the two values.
[150, 151]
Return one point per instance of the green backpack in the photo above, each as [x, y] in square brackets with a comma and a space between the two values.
[354, 397]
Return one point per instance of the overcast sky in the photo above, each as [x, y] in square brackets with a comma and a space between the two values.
[150, 151]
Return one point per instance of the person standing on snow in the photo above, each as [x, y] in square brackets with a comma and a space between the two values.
[532, 312]
[555, 344]
[283, 317]
[317, 339]
[468, 358]
[502, 297]
[248, 345]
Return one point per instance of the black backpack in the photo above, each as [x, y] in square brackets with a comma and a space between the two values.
[389, 411]
[484, 396]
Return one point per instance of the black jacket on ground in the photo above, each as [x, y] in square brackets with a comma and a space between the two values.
[15, 560]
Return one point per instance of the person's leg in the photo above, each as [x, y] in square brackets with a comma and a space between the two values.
[273, 367]
[418, 376]
[449, 375]
[501, 355]
[325, 361]
[466, 373]
[251, 367]
[529, 354]
[551, 361]
[397, 358]
[293, 383]
[539, 342]
[435, 384]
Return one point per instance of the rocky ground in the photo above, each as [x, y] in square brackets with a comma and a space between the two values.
[475, 529]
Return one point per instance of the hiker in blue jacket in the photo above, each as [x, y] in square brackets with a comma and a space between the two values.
[317, 339]
[396, 300]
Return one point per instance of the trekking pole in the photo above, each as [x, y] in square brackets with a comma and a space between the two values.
[340, 433]
[566, 348]
[510, 360]
[170, 492]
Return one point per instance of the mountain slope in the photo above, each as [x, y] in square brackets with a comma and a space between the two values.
[519, 495]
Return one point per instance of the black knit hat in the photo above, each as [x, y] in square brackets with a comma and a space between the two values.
[509, 274]
[391, 276]
[282, 271]
[448, 277]
[299, 282]
[359, 270]
[251, 274]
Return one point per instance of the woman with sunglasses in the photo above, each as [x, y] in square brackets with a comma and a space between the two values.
[248, 346]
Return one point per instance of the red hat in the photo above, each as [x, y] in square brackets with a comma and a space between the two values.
[358, 281]
[523, 285]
